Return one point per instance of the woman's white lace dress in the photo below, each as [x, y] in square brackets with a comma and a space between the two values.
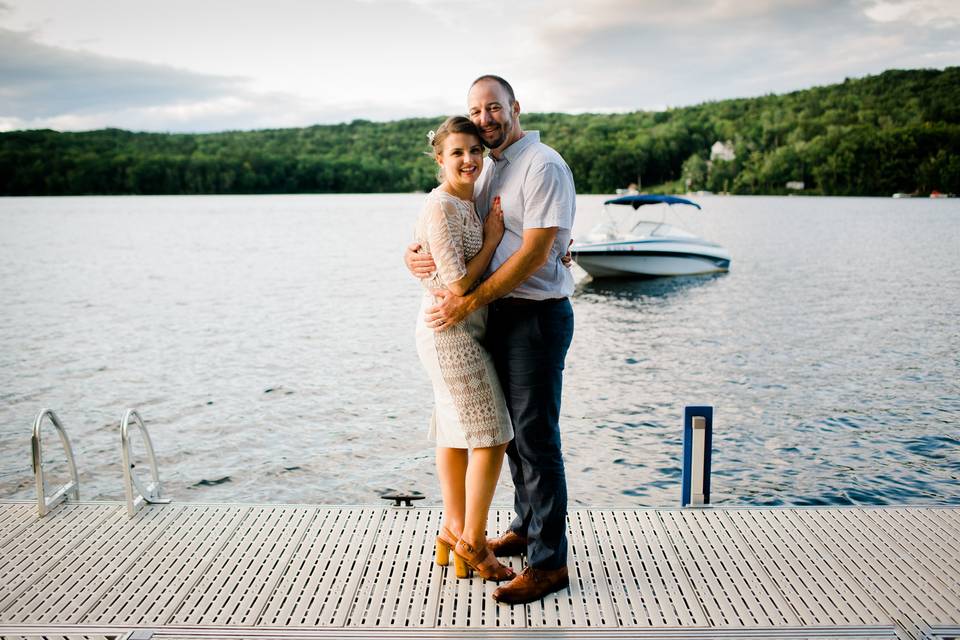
[469, 409]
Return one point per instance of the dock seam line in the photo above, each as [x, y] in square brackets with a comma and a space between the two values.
[382, 511]
[663, 531]
[290, 554]
[201, 570]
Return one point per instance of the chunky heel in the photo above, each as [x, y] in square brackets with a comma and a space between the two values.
[463, 569]
[446, 542]
[443, 553]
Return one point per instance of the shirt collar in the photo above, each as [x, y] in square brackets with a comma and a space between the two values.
[510, 153]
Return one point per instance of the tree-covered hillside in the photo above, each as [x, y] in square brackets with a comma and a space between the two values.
[897, 131]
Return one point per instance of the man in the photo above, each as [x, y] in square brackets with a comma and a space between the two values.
[529, 327]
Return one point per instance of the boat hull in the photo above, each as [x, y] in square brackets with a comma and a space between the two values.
[603, 262]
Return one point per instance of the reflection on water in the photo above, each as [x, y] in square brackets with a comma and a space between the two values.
[640, 288]
[268, 343]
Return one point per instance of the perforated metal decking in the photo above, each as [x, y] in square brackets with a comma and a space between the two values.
[231, 571]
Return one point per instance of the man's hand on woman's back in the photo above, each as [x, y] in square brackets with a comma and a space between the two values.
[420, 265]
[567, 258]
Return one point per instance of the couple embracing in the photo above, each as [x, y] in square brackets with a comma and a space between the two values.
[493, 331]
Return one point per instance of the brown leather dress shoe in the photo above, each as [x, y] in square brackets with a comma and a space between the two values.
[531, 585]
[508, 544]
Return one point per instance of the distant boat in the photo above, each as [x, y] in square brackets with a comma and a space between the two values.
[626, 246]
[904, 195]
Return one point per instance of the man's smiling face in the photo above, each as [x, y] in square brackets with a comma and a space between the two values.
[490, 108]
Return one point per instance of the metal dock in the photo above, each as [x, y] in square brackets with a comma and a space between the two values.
[91, 570]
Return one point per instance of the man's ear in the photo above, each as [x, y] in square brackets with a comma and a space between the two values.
[516, 108]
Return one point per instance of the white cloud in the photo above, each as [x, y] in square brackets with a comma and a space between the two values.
[219, 64]
[44, 81]
[618, 54]
[942, 14]
[43, 86]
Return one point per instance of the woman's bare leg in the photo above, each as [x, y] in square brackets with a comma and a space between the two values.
[452, 471]
[483, 471]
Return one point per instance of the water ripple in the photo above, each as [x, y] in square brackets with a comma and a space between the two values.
[269, 340]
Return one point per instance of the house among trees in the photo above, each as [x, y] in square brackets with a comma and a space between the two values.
[722, 151]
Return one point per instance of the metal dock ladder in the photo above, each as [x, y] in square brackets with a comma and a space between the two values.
[138, 494]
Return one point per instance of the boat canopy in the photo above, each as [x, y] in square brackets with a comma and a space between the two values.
[637, 201]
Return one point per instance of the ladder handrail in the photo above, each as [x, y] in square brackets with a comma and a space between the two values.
[149, 494]
[45, 504]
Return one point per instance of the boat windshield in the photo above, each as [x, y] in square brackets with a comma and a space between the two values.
[644, 222]
[672, 231]
[644, 228]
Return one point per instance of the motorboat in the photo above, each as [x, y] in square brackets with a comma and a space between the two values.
[628, 243]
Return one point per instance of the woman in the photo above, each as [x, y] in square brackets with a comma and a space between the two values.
[470, 422]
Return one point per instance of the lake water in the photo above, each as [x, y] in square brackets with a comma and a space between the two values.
[268, 343]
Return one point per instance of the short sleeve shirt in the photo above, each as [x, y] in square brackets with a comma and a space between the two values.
[536, 191]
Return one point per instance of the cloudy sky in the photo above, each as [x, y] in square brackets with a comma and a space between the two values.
[213, 65]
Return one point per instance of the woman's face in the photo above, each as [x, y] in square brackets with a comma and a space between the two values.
[461, 159]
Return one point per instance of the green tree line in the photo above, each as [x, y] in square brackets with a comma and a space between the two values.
[896, 131]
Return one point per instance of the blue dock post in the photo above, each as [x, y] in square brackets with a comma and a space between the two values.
[697, 445]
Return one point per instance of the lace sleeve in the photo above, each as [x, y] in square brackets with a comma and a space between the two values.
[445, 236]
